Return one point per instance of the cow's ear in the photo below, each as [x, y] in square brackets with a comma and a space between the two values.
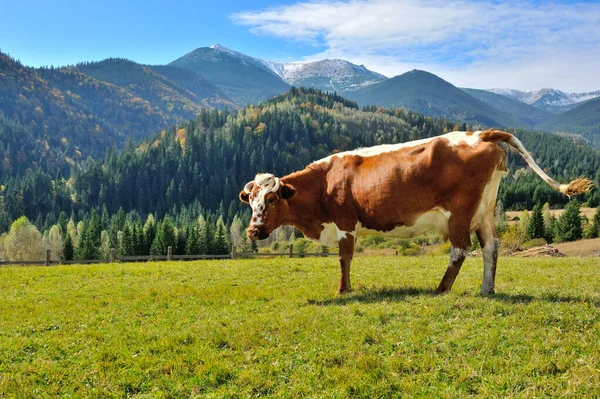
[244, 197]
[287, 191]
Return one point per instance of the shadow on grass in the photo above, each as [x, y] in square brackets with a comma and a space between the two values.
[373, 295]
[546, 297]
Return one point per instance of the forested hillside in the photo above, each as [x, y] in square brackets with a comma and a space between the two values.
[69, 114]
[197, 168]
[426, 93]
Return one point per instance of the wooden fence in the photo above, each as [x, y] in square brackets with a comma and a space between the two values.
[168, 257]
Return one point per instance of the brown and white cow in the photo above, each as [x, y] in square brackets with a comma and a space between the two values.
[447, 184]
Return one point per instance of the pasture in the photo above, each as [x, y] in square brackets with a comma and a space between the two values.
[276, 328]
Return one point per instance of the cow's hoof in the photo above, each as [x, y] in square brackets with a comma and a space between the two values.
[441, 290]
[342, 291]
[487, 293]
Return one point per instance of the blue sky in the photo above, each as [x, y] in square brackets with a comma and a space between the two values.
[482, 43]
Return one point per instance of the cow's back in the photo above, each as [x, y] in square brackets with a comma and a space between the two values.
[395, 188]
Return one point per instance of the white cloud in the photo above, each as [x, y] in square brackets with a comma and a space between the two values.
[487, 43]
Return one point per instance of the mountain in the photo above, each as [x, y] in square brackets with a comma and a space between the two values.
[245, 79]
[526, 113]
[329, 75]
[72, 113]
[584, 119]
[551, 100]
[148, 83]
[208, 94]
[428, 94]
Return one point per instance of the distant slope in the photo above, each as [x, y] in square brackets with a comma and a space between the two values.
[204, 90]
[583, 119]
[245, 79]
[147, 83]
[428, 94]
[526, 113]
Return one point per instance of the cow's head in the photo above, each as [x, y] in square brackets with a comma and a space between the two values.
[267, 196]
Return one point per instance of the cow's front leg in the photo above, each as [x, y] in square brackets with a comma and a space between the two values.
[346, 247]
[457, 257]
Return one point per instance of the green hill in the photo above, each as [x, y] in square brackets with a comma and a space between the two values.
[207, 93]
[584, 119]
[153, 85]
[527, 114]
[243, 78]
[428, 94]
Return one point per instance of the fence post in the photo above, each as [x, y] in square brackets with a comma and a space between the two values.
[170, 253]
[233, 252]
[291, 250]
[47, 257]
[113, 255]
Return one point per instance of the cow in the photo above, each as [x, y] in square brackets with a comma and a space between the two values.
[447, 184]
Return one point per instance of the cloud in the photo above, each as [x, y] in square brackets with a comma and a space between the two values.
[523, 45]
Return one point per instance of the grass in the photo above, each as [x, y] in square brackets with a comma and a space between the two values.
[249, 328]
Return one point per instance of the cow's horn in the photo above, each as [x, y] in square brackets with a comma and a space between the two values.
[248, 187]
[277, 184]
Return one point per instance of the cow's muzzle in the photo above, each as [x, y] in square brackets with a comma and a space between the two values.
[257, 233]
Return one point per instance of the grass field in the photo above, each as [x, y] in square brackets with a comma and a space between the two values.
[276, 328]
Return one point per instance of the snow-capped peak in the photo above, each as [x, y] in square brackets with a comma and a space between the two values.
[547, 98]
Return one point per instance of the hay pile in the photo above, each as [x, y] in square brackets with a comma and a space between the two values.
[543, 251]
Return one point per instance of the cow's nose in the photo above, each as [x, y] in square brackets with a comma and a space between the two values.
[253, 233]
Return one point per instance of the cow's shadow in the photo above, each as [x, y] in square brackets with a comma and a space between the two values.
[375, 295]
[400, 294]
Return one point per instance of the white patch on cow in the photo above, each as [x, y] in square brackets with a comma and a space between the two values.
[454, 138]
[488, 199]
[434, 220]
[266, 183]
[331, 235]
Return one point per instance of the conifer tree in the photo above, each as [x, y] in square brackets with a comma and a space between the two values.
[535, 228]
[68, 250]
[569, 227]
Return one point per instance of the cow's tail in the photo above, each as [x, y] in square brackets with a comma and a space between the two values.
[577, 186]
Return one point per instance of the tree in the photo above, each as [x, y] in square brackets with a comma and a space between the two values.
[568, 226]
[68, 249]
[535, 228]
[54, 242]
[220, 243]
[165, 238]
[23, 242]
[594, 230]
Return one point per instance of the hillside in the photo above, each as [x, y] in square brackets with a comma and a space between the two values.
[528, 114]
[245, 79]
[430, 95]
[209, 159]
[583, 119]
[155, 85]
[208, 94]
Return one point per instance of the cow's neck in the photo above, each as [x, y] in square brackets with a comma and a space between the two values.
[305, 208]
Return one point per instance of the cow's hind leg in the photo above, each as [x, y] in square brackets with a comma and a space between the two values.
[488, 238]
[346, 246]
[460, 238]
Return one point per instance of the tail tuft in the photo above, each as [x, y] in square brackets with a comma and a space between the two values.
[576, 187]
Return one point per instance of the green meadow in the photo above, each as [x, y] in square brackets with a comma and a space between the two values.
[276, 328]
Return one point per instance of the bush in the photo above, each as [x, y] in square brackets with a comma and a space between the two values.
[536, 242]
[444, 249]
[412, 250]
[512, 239]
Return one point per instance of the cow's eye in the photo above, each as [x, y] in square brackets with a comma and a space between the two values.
[270, 200]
